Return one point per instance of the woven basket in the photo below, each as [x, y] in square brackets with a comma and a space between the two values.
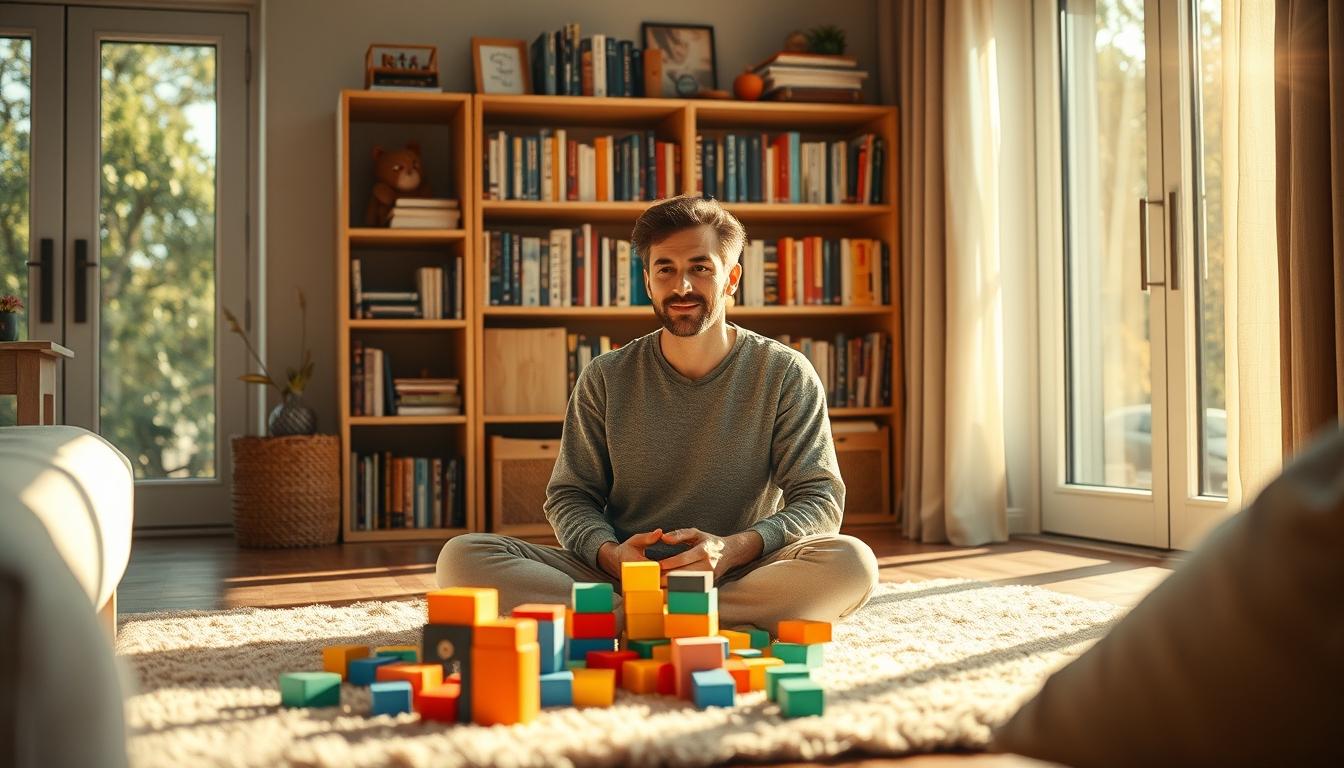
[286, 490]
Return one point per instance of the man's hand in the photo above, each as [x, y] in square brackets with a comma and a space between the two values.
[611, 555]
[711, 553]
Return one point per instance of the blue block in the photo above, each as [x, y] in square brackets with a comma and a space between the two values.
[557, 689]
[580, 646]
[551, 637]
[713, 688]
[391, 697]
[365, 671]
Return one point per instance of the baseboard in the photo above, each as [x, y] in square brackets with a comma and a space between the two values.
[1108, 547]
[1021, 522]
[177, 531]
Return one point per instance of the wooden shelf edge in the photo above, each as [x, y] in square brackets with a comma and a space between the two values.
[392, 324]
[524, 418]
[390, 421]
[383, 236]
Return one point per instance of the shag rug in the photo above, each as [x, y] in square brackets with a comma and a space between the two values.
[925, 666]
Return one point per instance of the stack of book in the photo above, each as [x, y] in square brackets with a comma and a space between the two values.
[427, 397]
[566, 64]
[550, 166]
[791, 76]
[406, 492]
[438, 294]
[855, 370]
[582, 349]
[567, 268]
[424, 213]
[793, 271]
[758, 168]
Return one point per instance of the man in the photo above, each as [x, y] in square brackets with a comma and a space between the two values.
[701, 445]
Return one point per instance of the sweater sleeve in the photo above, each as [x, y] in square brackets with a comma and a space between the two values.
[576, 497]
[802, 457]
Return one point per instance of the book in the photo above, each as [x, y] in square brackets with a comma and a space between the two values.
[798, 58]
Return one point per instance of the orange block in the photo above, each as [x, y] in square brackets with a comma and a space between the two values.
[736, 640]
[420, 676]
[642, 575]
[804, 632]
[756, 668]
[505, 633]
[741, 674]
[594, 687]
[643, 601]
[337, 658]
[463, 605]
[693, 654]
[644, 626]
[662, 653]
[640, 675]
[691, 624]
[439, 703]
[505, 684]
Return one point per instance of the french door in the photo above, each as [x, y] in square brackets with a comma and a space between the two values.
[123, 199]
[1134, 423]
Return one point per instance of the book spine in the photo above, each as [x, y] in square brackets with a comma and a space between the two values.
[627, 59]
[637, 71]
[649, 171]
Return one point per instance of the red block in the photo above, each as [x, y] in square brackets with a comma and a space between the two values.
[593, 625]
[439, 703]
[610, 660]
[667, 680]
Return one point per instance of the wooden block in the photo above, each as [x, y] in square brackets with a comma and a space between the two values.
[592, 597]
[809, 656]
[774, 674]
[745, 653]
[757, 669]
[640, 675]
[741, 674]
[420, 676]
[580, 646]
[691, 625]
[712, 688]
[594, 687]
[463, 605]
[804, 632]
[736, 640]
[390, 697]
[550, 618]
[662, 653]
[557, 689]
[337, 658]
[643, 602]
[310, 689]
[439, 703]
[540, 612]
[759, 637]
[407, 653]
[449, 645]
[690, 581]
[590, 625]
[800, 697]
[644, 647]
[641, 576]
[505, 633]
[365, 671]
[667, 680]
[610, 660]
[693, 654]
[645, 626]
[693, 602]
[506, 684]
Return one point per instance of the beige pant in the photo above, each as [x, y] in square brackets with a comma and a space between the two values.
[820, 578]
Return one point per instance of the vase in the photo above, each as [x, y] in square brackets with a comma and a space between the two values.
[9, 326]
[292, 417]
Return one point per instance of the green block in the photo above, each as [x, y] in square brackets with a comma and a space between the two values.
[782, 672]
[310, 689]
[645, 647]
[408, 655]
[746, 653]
[693, 602]
[760, 639]
[800, 697]
[592, 598]
[809, 656]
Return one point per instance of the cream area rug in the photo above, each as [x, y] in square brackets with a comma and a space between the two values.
[924, 666]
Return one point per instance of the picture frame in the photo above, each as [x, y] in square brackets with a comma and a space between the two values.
[689, 59]
[500, 65]
[401, 64]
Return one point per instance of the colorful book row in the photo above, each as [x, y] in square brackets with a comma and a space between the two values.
[565, 64]
[855, 370]
[437, 295]
[759, 168]
[569, 267]
[406, 492]
[550, 166]
[793, 271]
[373, 392]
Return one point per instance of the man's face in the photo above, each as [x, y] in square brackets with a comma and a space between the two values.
[688, 282]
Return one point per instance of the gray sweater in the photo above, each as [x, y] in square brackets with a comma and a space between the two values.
[746, 446]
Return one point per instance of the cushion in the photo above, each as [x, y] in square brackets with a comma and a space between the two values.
[1236, 659]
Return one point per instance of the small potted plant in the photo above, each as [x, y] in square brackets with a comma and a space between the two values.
[10, 307]
[291, 416]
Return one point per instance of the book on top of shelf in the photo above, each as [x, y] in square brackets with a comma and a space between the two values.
[799, 58]
[426, 202]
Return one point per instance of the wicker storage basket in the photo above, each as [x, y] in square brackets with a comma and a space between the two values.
[286, 490]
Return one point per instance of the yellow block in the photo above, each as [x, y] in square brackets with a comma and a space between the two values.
[643, 601]
[594, 687]
[640, 675]
[463, 606]
[736, 640]
[691, 624]
[337, 658]
[663, 653]
[804, 632]
[756, 668]
[642, 575]
[505, 684]
[644, 626]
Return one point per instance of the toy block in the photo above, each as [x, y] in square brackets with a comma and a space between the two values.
[667, 680]
[759, 637]
[662, 653]
[640, 575]
[712, 688]
[390, 697]
[557, 689]
[462, 605]
[407, 653]
[800, 697]
[690, 581]
[365, 671]
[439, 703]
[539, 611]
[592, 597]
[645, 647]
[551, 638]
[640, 675]
[746, 653]
[809, 656]
[505, 684]
[580, 646]
[757, 669]
[741, 674]
[337, 658]
[514, 634]
[691, 625]
[420, 676]
[645, 626]
[782, 672]
[693, 602]
[449, 645]
[693, 654]
[643, 601]
[310, 689]
[610, 660]
[736, 640]
[594, 687]
[590, 625]
[804, 632]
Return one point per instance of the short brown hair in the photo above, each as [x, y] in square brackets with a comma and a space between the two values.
[661, 221]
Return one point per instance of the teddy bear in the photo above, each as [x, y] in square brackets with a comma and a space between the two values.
[398, 174]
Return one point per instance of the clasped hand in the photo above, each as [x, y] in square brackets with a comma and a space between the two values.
[705, 552]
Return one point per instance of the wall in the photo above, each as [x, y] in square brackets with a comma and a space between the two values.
[313, 48]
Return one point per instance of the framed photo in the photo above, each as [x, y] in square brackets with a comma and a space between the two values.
[500, 65]
[689, 63]
[389, 64]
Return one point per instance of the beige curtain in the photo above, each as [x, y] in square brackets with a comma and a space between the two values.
[1309, 113]
[955, 487]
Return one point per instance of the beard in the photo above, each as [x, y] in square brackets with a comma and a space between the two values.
[685, 323]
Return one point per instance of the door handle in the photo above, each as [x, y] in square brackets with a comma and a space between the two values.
[45, 287]
[82, 264]
[1174, 233]
[1144, 282]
